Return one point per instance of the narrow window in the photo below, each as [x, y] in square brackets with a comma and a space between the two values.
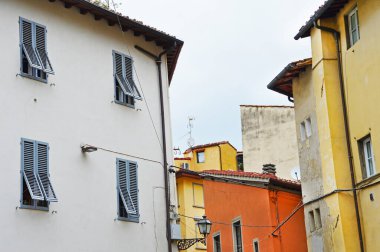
[185, 166]
[318, 219]
[125, 89]
[308, 127]
[127, 191]
[36, 188]
[303, 131]
[238, 244]
[198, 197]
[200, 156]
[311, 221]
[368, 157]
[35, 62]
[256, 245]
[216, 242]
[353, 27]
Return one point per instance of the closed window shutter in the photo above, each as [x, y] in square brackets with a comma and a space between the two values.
[27, 44]
[123, 188]
[28, 164]
[129, 77]
[43, 171]
[133, 189]
[41, 49]
[120, 76]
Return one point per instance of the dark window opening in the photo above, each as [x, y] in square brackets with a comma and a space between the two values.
[217, 245]
[122, 211]
[27, 199]
[238, 237]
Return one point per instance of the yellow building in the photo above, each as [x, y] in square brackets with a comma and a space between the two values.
[338, 125]
[213, 156]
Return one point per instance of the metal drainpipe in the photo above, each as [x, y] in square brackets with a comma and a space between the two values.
[220, 158]
[158, 61]
[346, 127]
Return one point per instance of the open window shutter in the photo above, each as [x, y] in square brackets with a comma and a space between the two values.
[28, 164]
[27, 44]
[133, 189]
[127, 89]
[41, 49]
[129, 77]
[123, 187]
[43, 171]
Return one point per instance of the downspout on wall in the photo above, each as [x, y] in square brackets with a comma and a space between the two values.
[220, 158]
[158, 60]
[346, 127]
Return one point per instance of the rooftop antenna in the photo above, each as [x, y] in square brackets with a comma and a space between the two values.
[190, 140]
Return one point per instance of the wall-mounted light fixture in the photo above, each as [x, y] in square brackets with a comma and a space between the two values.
[204, 226]
[88, 148]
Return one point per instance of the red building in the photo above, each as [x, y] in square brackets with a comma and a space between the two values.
[247, 207]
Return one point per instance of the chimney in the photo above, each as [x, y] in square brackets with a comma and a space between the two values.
[269, 169]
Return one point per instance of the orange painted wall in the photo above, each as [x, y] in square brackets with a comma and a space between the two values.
[225, 202]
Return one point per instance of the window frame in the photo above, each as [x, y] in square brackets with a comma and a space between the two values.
[256, 241]
[349, 29]
[302, 131]
[118, 196]
[312, 227]
[203, 193]
[34, 71]
[204, 157]
[234, 238]
[216, 234]
[308, 128]
[131, 100]
[35, 202]
[365, 158]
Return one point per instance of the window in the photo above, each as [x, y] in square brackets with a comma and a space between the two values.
[308, 127]
[35, 62]
[311, 221]
[127, 191]
[198, 197]
[256, 245]
[238, 245]
[369, 168]
[200, 156]
[318, 220]
[36, 188]
[216, 243]
[303, 131]
[125, 89]
[185, 166]
[353, 27]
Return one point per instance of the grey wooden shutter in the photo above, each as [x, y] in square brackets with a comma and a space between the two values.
[42, 165]
[119, 74]
[123, 188]
[41, 49]
[27, 31]
[133, 190]
[128, 62]
[28, 161]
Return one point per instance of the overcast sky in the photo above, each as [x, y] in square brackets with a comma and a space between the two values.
[232, 50]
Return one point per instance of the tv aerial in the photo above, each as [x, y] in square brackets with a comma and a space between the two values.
[190, 140]
[295, 173]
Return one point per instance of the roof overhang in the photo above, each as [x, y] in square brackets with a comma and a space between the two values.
[283, 82]
[329, 9]
[164, 40]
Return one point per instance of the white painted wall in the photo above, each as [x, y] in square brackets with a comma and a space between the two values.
[76, 106]
[269, 136]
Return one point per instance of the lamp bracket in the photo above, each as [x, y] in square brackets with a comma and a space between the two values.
[187, 243]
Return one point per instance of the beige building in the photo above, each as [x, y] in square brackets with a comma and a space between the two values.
[269, 136]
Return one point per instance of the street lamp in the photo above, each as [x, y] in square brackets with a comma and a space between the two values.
[204, 226]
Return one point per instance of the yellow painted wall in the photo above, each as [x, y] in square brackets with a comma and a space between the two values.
[191, 203]
[212, 158]
[361, 64]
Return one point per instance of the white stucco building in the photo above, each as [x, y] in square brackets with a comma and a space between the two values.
[72, 76]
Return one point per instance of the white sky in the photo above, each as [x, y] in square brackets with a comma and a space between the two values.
[232, 50]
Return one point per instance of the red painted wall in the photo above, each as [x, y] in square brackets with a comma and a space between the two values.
[256, 209]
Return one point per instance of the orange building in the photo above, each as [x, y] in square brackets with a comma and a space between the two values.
[247, 207]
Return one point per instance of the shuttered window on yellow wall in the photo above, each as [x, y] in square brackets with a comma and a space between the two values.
[198, 199]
